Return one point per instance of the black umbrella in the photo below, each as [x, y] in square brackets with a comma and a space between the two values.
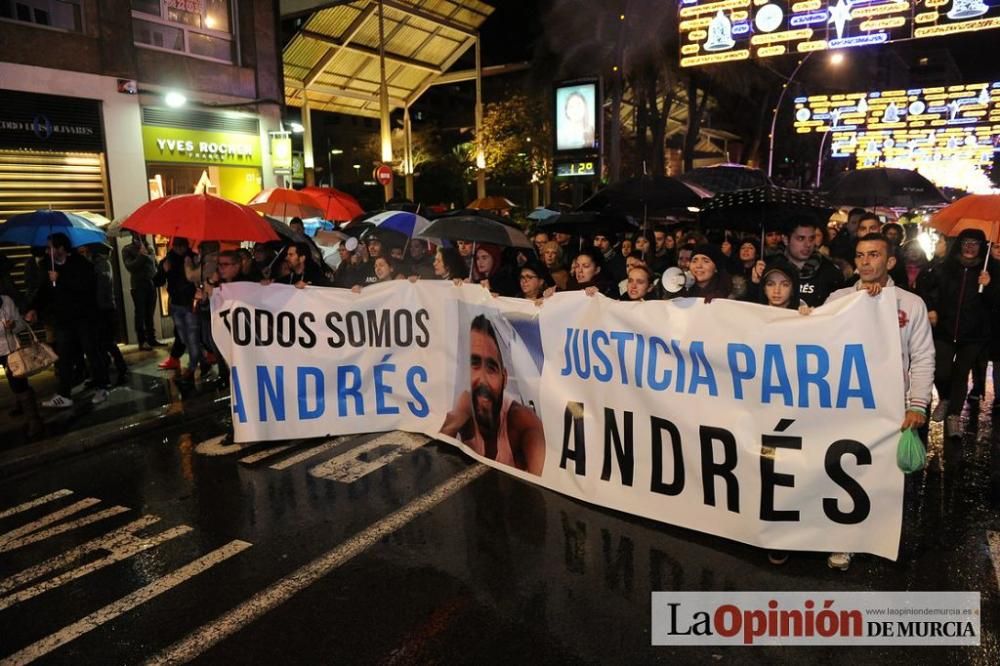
[475, 212]
[589, 223]
[892, 188]
[644, 196]
[726, 178]
[476, 229]
[288, 235]
[762, 207]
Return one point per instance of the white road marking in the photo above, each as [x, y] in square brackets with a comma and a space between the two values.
[106, 542]
[263, 455]
[60, 529]
[348, 467]
[310, 452]
[267, 600]
[33, 503]
[117, 554]
[993, 539]
[48, 520]
[125, 604]
[215, 447]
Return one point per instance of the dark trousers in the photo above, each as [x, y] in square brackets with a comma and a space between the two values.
[17, 384]
[72, 339]
[107, 326]
[953, 363]
[144, 300]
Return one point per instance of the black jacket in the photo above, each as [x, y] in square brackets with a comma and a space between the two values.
[963, 313]
[74, 296]
[818, 278]
[180, 289]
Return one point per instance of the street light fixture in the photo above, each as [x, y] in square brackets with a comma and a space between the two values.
[836, 59]
[174, 99]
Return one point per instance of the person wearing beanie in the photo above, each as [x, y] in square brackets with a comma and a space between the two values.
[959, 312]
[780, 284]
[708, 267]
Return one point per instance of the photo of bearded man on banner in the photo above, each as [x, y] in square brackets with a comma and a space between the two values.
[493, 412]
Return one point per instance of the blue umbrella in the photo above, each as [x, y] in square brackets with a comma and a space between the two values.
[541, 214]
[400, 221]
[35, 228]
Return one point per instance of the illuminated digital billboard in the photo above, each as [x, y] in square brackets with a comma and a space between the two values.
[576, 106]
[713, 31]
[949, 133]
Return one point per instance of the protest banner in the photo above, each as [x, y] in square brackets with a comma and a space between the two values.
[753, 423]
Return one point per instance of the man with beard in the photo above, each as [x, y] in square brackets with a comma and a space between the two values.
[485, 419]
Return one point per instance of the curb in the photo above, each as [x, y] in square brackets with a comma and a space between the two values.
[76, 442]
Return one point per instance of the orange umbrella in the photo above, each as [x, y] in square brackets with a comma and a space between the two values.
[337, 206]
[200, 217]
[285, 202]
[975, 211]
[492, 203]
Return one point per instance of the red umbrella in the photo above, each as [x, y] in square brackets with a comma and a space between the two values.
[337, 206]
[284, 202]
[200, 217]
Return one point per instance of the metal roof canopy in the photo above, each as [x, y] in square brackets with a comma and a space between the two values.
[333, 60]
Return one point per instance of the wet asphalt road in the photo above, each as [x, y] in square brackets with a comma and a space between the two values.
[496, 572]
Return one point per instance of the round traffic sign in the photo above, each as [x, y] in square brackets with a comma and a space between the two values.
[383, 174]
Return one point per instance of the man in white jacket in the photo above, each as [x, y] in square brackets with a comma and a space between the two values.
[873, 259]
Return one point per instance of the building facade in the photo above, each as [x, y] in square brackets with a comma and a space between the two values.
[84, 121]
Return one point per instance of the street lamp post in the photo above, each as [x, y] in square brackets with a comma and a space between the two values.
[835, 59]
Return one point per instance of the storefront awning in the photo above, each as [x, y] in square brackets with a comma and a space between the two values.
[333, 59]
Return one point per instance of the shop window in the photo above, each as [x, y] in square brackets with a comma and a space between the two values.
[203, 26]
[61, 14]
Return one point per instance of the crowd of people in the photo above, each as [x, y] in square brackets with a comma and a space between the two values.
[949, 305]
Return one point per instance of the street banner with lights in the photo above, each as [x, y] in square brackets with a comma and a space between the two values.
[749, 422]
[713, 31]
[949, 133]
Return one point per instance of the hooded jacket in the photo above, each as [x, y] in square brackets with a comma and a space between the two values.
[963, 312]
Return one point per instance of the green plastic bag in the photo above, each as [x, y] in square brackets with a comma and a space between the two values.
[910, 453]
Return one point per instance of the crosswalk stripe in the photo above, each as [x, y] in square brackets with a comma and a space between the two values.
[113, 610]
[349, 467]
[265, 454]
[47, 520]
[105, 542]
[117, 554]
[60, 529]
[309, 453]
[267, 600]
[35, 502]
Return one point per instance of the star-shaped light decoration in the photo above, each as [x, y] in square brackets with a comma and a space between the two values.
[840, 14]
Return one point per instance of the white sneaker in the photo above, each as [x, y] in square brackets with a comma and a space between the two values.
[840, 561]
[58, 401]
[100, 395]
[940, 410]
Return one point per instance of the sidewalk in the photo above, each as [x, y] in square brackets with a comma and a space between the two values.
[149, 401]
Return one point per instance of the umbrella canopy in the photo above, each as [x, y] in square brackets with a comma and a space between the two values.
[726, 178]
[542, 213]
[589, 223]
[336, 205]
[491, 203]
[975, 211]
[35, 228]
[646, 195]
[200, 217]
[408, 224]
[96, 219]
[769, 206]
[284, 202]
[895, 188]
[474, 228]
[287, 235]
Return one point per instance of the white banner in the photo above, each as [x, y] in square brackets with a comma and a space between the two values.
[749, 422]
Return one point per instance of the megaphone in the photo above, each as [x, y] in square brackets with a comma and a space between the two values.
[674, 280]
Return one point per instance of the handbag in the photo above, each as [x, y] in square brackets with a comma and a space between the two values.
[30, 359]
